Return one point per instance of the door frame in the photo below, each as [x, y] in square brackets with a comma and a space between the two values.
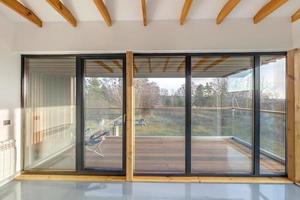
[80, 66]
[79, 89]
[255, 154]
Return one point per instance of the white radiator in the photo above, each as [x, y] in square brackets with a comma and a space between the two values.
[7, 159]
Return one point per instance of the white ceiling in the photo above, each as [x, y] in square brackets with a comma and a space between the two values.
[124, 10]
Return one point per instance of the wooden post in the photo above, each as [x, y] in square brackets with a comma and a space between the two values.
[130, 129]
[293, 116]
[290, 116]
[297, 114]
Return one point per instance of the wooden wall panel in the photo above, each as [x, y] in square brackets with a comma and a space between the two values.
[130, 131]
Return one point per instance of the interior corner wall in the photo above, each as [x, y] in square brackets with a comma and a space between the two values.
[296, 34]
[196, 35]
[238, 35]
[10, 79]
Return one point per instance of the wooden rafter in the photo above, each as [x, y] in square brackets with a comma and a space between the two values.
[185, 10]
[22, 10]
[181, 65]
[63, 11]
[226, 10]
[117, 63]
[267, 9]
[105, 66]
[149, 65]
[296, 16]
[135, 68]
[144, 12]
[103, 11]
[166, 64]
[200, 62]
[216, 62]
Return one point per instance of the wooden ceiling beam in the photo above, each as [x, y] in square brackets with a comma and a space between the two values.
[226, 10]
[23, 11]
[216, 62]
[105, 66]
[267, 9]
[149, 65]
[144, 12]
[296, 16]
[201, 62]
[181, 65]
[117, 63]
[135, 68]
[185, 10]
[63, 11]
[103, 11]
[166, 64]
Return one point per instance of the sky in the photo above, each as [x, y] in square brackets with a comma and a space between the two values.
[171, 84]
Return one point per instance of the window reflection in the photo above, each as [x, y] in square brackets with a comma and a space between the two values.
[103, 114]
[160, 114]
[50, 114]
[272, 114]
[222, 114]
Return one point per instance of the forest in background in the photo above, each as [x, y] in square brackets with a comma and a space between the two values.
[214, 110]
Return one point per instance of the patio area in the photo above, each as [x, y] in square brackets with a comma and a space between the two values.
[219, 155]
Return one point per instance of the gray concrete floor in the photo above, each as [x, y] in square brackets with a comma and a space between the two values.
[58, 190]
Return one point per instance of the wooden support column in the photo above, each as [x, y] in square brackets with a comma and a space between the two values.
[293, 139]
[290, 116]
[130, 129]
[297, 114]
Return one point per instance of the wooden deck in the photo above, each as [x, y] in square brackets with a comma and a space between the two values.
[166, 155]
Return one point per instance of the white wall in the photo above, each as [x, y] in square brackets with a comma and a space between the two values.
[296, 34]
[199, 35]
[6, 34]
[9, 87]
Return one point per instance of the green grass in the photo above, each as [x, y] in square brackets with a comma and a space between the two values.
[168, 122]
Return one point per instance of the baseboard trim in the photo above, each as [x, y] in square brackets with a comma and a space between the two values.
[42, 177]
[272, 180]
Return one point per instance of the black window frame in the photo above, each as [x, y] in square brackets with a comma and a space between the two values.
[79, 112]
[79, 162]
[256, 112]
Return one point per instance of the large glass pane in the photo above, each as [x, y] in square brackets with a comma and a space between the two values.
[49, 108]
[160, 114]
[103, 114]
[222, 114]
[272, 114]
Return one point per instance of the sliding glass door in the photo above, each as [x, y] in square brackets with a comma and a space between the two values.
[222, 114]
[49, 114]
[195, 114]
[272, 114]
[210, 114]
[103, 135]
[159, 115]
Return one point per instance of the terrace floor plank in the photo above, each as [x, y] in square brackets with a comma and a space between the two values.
[166, 155]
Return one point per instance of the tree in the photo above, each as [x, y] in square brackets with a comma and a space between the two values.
[94, 91]
[179, 96]
[198, 97]
[147, 94]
